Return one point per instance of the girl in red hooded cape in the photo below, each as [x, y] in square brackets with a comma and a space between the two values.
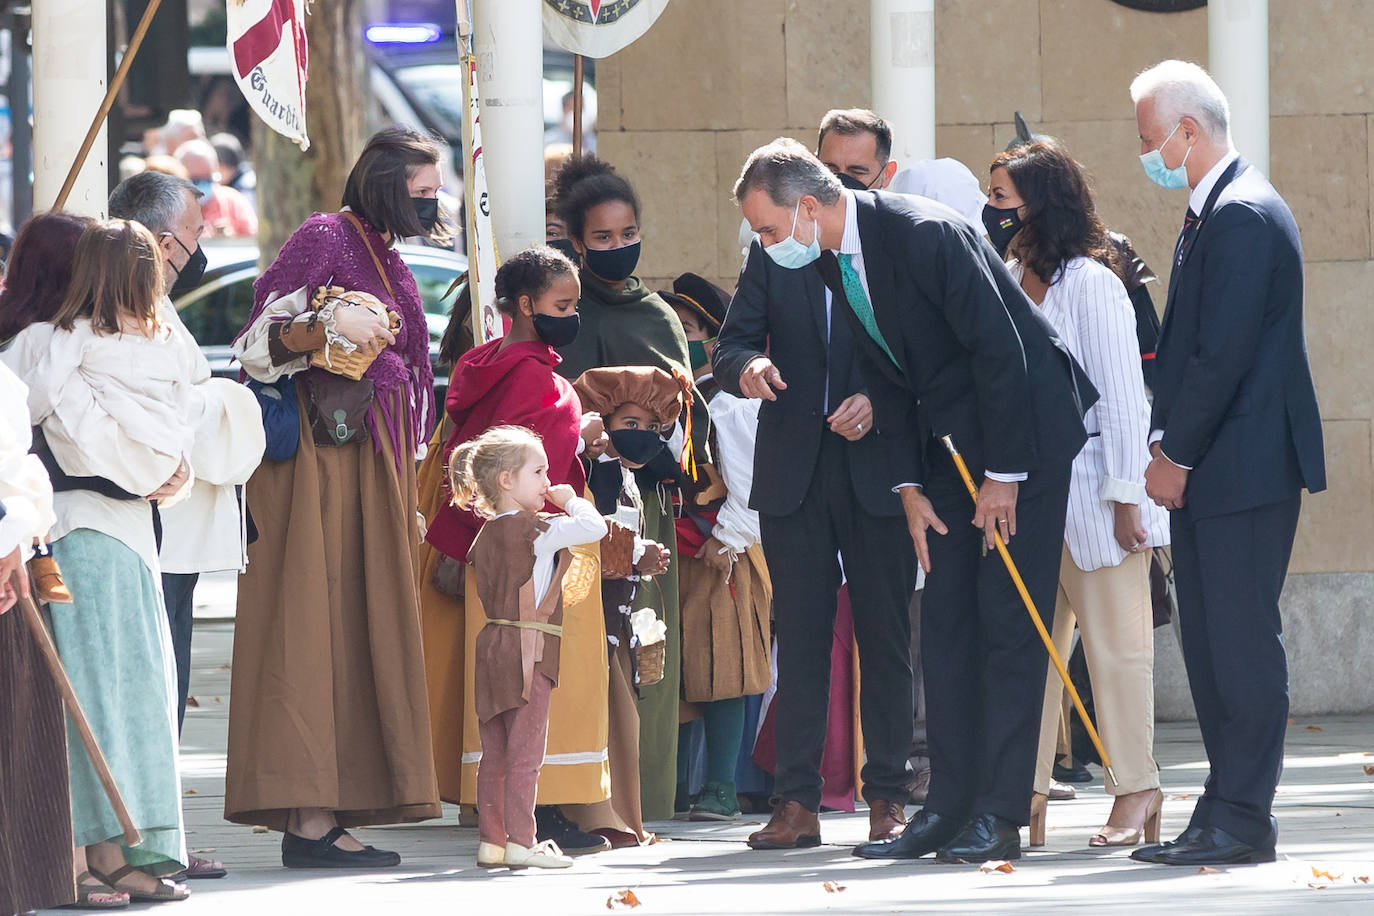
[511, 381]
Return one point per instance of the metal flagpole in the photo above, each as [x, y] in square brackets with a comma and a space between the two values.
[1034, 614]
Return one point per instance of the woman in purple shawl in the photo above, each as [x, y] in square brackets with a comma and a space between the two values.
[329, 724]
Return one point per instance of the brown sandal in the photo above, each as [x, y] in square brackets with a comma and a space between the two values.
[86, 894]
[167, 891]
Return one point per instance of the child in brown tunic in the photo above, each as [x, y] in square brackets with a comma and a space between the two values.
[519, 558]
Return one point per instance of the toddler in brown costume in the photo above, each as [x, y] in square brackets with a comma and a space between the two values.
[519, 559]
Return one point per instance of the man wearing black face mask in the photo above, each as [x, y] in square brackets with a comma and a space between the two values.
[201, 533]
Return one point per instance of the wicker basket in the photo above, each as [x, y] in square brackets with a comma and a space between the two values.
[580, 577]
[335, 358]
[617, 552]
[649, 662]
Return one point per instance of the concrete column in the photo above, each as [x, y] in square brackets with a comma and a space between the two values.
[1238, 58]
[902, 54]
[68, 85]
[508, 40]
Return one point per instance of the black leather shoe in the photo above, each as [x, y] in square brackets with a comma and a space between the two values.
[985, 837]
[1074, 772]
[552, 824]
[925, 833]
[1148, 853]
[298, 852]
[1214, 846]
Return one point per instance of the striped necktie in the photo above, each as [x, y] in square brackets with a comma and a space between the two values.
[1190, 222]
[858, 302]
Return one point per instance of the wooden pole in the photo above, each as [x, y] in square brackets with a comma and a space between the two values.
[107, 103]
[577, 104]
[1034, 614]
[83, 727]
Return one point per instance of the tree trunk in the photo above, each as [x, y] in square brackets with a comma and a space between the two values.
[292, 185]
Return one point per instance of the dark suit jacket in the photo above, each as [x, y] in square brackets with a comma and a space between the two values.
[781, 313]
[1233, 389]
[983, 364]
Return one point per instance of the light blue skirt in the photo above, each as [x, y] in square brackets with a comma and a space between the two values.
[116, 646]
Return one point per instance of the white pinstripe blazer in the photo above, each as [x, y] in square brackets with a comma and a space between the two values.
[1089, 308]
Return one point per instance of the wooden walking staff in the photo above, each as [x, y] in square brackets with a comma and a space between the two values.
[1034, 614]
[578, 78]
[107, 103]
[64, 686]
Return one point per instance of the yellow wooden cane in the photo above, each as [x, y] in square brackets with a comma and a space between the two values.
[1034, 614]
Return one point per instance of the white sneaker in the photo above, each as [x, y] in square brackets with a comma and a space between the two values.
[541, 855]
[490, 855]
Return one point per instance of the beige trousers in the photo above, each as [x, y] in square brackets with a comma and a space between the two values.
[1115, 622]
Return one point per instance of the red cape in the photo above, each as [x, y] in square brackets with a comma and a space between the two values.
[515, 386]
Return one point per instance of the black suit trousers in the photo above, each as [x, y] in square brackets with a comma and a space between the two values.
[1229, 571]
[983, 662]
[803, 551]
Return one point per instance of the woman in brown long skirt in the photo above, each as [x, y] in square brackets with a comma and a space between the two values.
[328, 722]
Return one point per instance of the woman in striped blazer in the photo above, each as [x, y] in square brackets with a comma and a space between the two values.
[1040, 215]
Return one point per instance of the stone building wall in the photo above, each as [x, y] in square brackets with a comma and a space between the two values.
[681, 108]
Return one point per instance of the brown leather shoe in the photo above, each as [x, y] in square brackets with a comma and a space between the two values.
[886, 820]
[919, 787]
[792, 826]
[47, 580]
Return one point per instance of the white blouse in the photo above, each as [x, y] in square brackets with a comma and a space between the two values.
[1089, 307]
[24, 488]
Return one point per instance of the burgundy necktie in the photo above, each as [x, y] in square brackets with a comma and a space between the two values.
[1185, 237]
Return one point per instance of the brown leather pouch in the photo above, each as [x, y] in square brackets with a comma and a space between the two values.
[336, 408]
[617, 552]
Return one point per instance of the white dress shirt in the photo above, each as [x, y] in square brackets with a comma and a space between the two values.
[850, 244]
[1197, 202]
[1091, 311]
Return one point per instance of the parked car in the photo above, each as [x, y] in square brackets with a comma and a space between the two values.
[217, 309]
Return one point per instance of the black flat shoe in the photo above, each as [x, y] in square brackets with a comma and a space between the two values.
[925, 833]
[1148, 853]
[1214, 846]
[552, 824]
[1075, 772]
[298, 852]
[985, 837]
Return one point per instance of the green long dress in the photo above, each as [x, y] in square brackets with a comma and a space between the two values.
[635, 327]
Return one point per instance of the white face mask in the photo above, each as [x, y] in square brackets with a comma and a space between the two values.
[791, 253]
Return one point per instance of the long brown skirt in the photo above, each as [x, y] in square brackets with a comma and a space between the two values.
[328, 705]
[35, 809]
[725, 628]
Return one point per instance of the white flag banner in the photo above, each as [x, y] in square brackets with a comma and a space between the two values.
[487, 323]
[266, 44]
[598, 28]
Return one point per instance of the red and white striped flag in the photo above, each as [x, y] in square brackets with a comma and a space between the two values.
[267, 45]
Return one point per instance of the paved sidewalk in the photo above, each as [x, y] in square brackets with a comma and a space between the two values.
[1325, 809]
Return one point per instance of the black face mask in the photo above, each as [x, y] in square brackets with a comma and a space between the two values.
[854, 184]
[557, 331]
[637, 446]
[1001, 226]
[613, 264]
[565, 246]
[427, 210]
[188, 276]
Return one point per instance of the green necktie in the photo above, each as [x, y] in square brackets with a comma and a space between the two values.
[858, 301]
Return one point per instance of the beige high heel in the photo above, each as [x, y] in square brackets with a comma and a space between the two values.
[1130, 836]
[1039, 802]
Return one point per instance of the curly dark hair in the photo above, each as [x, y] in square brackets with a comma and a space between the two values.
[583, 182]
[529, 273]
[1061, 220]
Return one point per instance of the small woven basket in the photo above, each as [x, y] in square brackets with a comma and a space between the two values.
[334, 358]
[580, 577]
[649, 662]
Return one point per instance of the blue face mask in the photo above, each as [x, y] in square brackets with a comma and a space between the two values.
[791, 253]
[1161, 174]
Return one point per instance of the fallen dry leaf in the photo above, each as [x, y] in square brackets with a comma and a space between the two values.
[259, 829]
[228, 668]
[218, 700]
[1001, 865]
[1314, 728]
[192, 792]
[1179, 797]
[1208, 870]
[1363, 879]
[622, 899]
[192, 701]
[1369, 769]
[833, 887]
[1318, 873]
